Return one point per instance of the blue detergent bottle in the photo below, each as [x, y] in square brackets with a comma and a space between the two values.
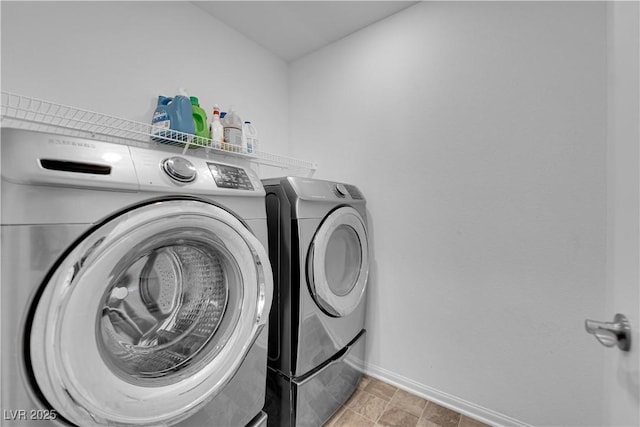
[173, 115]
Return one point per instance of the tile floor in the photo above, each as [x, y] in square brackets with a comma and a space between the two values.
[376, 403]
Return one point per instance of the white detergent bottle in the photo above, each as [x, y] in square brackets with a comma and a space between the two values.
[251, 136]
[232, 131]
[216, 129]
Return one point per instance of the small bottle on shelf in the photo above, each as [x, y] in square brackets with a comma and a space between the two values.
[216, 129]
[251, 134]
[223, 114]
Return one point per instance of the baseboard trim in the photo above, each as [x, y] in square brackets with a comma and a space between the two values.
[469, 409]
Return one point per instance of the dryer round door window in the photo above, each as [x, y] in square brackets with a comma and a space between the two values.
[338, 262]
[150, 315]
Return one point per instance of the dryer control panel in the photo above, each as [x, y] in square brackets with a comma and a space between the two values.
[317, 189]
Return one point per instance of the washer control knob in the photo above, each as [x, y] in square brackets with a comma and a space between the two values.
[179, 169]
[341, 190]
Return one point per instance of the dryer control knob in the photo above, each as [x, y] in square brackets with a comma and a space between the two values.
[179, 169]
[341, 190]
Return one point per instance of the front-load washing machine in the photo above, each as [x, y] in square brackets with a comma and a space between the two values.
[319, 253]
[135, 286]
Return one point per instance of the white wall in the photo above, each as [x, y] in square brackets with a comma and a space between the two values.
[622, 380]
[477, 132]
[117, 57]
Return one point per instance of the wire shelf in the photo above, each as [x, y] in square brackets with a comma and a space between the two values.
[28, 113]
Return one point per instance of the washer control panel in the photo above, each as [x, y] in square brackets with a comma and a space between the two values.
[178, 173]
[227, 176]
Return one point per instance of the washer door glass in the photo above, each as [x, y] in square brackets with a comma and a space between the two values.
[162, 309]
[150, 315]
[338, 262]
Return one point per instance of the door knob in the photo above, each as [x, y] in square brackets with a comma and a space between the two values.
[611, 333]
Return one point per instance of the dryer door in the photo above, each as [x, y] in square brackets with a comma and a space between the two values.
[338, 262]
[149, 315]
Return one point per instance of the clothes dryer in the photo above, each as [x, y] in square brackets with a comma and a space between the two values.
[319, 252]
[135, 286]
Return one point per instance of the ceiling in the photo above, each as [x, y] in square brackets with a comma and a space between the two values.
[292, 29]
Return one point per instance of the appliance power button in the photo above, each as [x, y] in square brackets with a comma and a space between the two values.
[341, 190]
[179, 169]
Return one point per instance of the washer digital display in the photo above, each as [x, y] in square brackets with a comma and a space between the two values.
[227, 176]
